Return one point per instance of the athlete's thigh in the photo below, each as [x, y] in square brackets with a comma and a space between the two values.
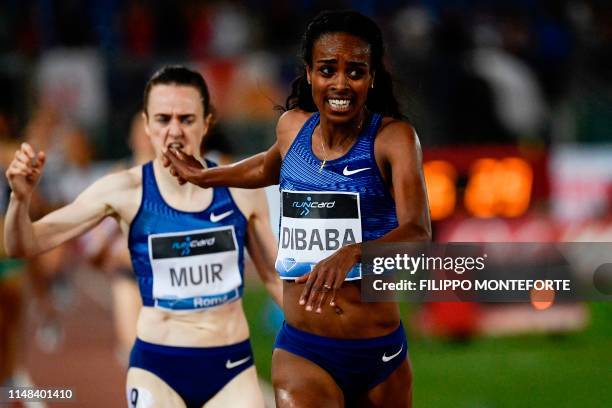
[145, 389]
[300, 383]
[241, 392]
[395, 391]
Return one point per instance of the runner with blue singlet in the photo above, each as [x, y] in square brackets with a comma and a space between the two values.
[349, 169]
[187, 248]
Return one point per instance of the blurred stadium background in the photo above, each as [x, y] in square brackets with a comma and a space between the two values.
[513, 105]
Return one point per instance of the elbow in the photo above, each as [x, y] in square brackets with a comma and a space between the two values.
[425, 233]
[264, 178]
[272, 280]
[274, 284]
[418, 232]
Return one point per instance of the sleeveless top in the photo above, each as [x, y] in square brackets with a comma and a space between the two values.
[324, 209]
[187, 260]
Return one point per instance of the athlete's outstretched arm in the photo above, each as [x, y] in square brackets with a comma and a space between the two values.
[22, 237]
[400, 152]
[257, 171]
[262, 247]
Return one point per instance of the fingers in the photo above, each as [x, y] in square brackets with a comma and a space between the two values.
[309, 281]
[175, 162]
[337, 283]
[320, 284]
[302, 278]
[41, 157]
[171, 157]
[177, 153]
[164, 160]
[22, 157]
[318, 289]
[19, 168]
[21, 164]
[28, 156]
[27, 150]
[332, 301]
[325, 290]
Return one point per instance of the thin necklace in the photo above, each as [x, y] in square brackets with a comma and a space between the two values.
[323, 146]
[324, 154]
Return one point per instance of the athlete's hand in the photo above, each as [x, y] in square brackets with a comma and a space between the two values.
[327, 277]
[24, 171]
[184, 167]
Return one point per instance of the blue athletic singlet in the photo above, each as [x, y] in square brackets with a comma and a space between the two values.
[187, 260]
[322, 210]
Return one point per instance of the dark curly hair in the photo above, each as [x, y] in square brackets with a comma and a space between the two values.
[381, 98]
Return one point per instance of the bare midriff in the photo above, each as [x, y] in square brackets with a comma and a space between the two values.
[218, 326]
[350, 319]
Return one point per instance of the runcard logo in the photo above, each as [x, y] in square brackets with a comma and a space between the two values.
[308, 204]
[185, 245]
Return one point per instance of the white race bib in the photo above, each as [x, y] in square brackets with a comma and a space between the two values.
[195, 269]
[314, 225]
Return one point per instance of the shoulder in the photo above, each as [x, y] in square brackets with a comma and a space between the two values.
[396, 130]
[289, 124]
[250, 201]
[291, 119]
[126, 179]
[397, 136]
[116, 183]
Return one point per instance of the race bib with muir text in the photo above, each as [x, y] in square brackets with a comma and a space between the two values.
[314, 225]
[195, 269]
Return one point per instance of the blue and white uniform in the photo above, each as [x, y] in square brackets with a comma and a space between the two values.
[188, 261]
[322, 210]
[344, 203]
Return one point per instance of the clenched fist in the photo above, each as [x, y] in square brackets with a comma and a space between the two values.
[24, 171]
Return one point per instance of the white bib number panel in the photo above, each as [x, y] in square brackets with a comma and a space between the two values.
[194, 269]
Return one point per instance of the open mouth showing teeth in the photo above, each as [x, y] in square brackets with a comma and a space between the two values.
[175, 145]
[339, 104]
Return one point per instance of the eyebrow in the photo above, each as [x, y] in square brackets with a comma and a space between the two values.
[184, 115]
[335, 61]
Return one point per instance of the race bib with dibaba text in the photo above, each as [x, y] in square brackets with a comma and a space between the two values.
[195, 269]
[314, 225]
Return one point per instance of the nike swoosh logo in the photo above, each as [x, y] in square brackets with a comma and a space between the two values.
[348, 172]
[232, 364]
[217, 218]
[386, 358]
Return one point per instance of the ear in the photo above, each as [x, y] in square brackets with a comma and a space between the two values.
[308, 78]
[145, 119]
[207, 122]
[373, 78]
